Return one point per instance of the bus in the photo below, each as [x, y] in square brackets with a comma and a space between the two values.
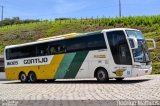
[106, 54]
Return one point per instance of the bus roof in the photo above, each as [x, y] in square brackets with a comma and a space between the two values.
[116, 29]
[66, 36]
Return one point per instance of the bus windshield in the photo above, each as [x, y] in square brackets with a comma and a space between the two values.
[135, 34]
[140, 54]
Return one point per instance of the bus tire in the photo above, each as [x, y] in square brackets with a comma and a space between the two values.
[119, 79]
[102, 75]
[23, 77]
[32, 77]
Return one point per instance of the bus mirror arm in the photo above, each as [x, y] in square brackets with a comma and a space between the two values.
[154, 44]
[133, 43]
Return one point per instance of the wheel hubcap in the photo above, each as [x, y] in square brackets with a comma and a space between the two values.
[101, 75]
[32, 77]
[23, 77]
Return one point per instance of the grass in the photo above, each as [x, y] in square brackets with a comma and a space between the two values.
[156, 68]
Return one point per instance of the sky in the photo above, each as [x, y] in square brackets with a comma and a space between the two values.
[51, 9]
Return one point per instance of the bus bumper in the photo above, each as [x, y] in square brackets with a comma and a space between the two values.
[141, 72]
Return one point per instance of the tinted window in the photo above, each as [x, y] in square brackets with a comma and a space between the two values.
[21, 52]
[42, 49]
[96, 42]
[119, 47]
[90, 42]
[57, 47]
[76, 44]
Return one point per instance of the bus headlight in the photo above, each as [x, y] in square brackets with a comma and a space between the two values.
[136, 66]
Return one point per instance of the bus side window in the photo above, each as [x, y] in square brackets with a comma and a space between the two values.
[42, 50]
[52, 50]
[61, 49]
[96, 41]
[57, 49]
[76, 44]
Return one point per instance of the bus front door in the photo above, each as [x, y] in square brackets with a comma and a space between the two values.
[120, 53]
[124, 60]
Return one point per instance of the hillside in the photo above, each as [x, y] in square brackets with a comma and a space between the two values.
[16, 34]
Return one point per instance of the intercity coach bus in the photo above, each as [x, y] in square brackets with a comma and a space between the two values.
[110, 53]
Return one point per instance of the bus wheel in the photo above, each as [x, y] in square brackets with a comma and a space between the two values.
[102, 75]
[119, 79]
[32, 77]
[23, 77]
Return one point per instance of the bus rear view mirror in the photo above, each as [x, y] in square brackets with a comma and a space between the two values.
[133, 43]
[151, 44]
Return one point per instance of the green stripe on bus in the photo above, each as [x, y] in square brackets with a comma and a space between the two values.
[76, 64]
[64, 65]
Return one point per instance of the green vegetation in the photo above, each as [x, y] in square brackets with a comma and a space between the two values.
[21, 33]
[16, 20]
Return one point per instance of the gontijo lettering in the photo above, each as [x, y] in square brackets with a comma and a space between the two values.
[37, 60]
